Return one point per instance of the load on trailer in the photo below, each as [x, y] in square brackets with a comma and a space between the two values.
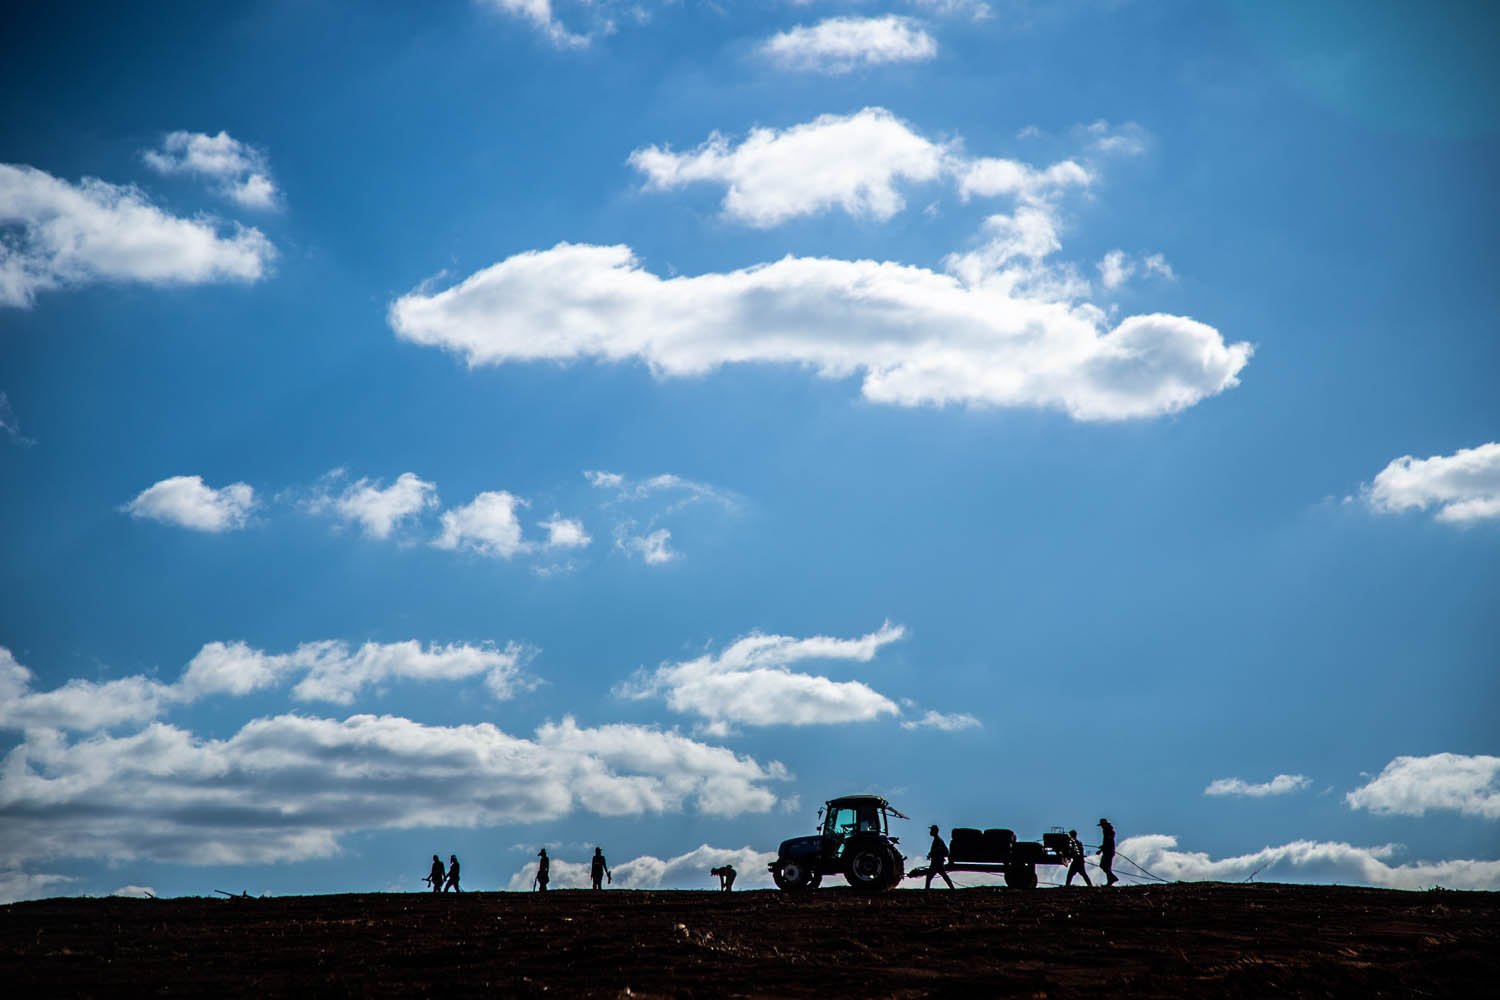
[854, 841]
[998, 852]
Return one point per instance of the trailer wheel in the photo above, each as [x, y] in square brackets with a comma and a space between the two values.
[1020, 876]
[867, 866]
[794, 876]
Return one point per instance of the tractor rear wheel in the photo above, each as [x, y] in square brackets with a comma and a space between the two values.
[1020, 876]
[867, 866]
[898, 867]
[793, 876]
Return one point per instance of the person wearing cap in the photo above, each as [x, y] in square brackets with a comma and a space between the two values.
[598, 869]
[937, 855]
[1107, 851]
[1075, 856]
[543, 870]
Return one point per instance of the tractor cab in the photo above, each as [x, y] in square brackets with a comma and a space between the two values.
[855, 814]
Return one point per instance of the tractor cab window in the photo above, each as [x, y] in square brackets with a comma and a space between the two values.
[841, 822]
[867, 819]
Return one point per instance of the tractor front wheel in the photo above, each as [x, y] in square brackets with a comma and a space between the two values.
[793, 876]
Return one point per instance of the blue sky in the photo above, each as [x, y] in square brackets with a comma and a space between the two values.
[464, 427]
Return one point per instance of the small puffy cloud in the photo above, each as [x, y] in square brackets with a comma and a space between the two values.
[684, 871]
[488, 525]
[1115, 269]
[380, 510]
[17, 885]
[78, 705]
[135, 892]
[990, 177]
[849, 162]
[240, 172]
[654, 548]
[62, 235]
[751, 683]
[289, 787]
[565, 533]
[1282, 784]
[540, 15]
[1156, 264]
[188, 502]
[1128, 139]
[1445, 782]
[987, 334]
[1307, 861]
[947, 722]
[1463, 487]
[684, 491]
[330, 671]
[838, 45]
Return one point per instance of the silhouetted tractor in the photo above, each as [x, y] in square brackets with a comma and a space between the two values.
[855, 842]
[998, 852]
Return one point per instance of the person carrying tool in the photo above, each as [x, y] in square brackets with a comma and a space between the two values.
[1076, 863]
[435, 877]
[543, 871]
[937, 856]
[598, 869]
[1107, 851]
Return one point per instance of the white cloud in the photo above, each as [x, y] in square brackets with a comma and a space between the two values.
[186, 501]
[1307, 861]
[1409, 786]
[9, 424]
[62, 234]
[751, 683]
[565, 533]
[288, 787]
[840, 44]
[1128, 139]
[990, 177]
[685, 871]
[331, 671]
[1115, 269]
[16, 885]
[78, 704]
[540, 15]
[654, 548]
[850, 162]
[1463, 487]
[380, 511]
[487, 525]
[1282, 784]
[135, 892]
[976, 10]
[948, 722]
[985, 335]
[687, 491]
[1156, 264]
[239, 171]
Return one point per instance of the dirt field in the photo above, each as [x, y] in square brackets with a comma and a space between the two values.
[1165, 941]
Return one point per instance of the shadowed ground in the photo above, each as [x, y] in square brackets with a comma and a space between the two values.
[1168, 941]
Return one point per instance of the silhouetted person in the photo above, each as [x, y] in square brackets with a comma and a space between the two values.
[452, 882]
[1075, 853]
[937, 856]
[543, 870]
[435, 877]
[1107, 851]
[726, 877]
[599, 869]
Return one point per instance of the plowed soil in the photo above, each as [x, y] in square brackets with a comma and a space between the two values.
[1186, 940]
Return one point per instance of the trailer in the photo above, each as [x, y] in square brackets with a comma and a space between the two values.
[998, 852]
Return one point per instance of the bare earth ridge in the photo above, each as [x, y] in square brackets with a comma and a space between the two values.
[1192, 939]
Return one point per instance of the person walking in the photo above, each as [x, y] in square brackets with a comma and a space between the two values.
[599, 869]
[543, 870]
[1107, 851]
[435, 876]
[1076, 862]
[937, 857]
[452, 882]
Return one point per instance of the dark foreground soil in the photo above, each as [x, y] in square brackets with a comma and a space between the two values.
[1185, 940]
